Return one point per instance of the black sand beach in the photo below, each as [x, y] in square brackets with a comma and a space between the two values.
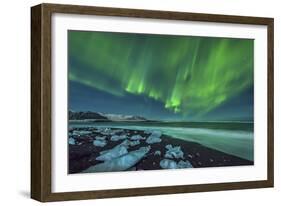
[83, 153]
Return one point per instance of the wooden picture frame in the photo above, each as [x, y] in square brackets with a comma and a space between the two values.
[41, 98]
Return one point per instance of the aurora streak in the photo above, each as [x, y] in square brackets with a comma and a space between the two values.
[188, 76]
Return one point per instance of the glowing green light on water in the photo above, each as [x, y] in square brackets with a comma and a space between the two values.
[187, 74]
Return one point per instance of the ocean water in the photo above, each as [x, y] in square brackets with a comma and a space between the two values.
[235, 138]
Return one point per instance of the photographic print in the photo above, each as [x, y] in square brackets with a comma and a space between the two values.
[153, 101]
[170, 102]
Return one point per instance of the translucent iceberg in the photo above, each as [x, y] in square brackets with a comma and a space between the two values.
[147, 132]
[168, 164]
[154, 137]
[171, 164]
[125, 143]
[106, 131]
[134, 143]
[80, 132]
[113, 153]
[117, 131]
[184, 164]
[174, 152]
[99, 142]
[158, 152]
[118, 137]
[121, 163]
[128, 143]
[99, 129]
[136, 137]
[71, 141]
[100, 137]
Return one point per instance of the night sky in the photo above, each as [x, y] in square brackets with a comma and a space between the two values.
[161, 77]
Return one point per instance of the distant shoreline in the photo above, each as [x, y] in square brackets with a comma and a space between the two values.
[207, 125]
[90, 116]
[101, 120]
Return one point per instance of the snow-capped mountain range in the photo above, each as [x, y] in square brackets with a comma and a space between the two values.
[97, 116]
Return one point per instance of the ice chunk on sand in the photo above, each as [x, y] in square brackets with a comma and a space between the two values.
[99, 142]
[100, 137]
[118, 137]
[117, 131]
[125, 143]
[174, 152]
[121, 163]
[128, 143]
[134, 143]
[171, 164]
[154, 137]
[184, 164]
[115, 152]
[99, 129]
[158, 152]
[105, 131]
[156, 134]
[168, 164]
[71, 141]
[136, 137]
[81, 132]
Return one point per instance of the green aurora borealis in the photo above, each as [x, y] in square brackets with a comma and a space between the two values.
[188, 76]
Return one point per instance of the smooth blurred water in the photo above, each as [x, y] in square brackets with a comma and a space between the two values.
[229, 137]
